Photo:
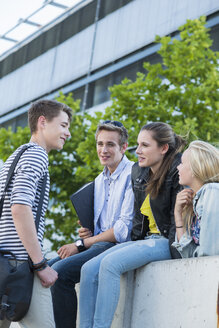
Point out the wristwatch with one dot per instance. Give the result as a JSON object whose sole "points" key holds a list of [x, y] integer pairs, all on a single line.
{"points": [[80, 245]]}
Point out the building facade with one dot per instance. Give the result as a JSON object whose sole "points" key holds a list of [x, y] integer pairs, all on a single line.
{"points": [[98, 44]]}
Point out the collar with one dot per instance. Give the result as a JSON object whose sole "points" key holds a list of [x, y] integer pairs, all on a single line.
{"points": [[206, 185], [118, 170]]}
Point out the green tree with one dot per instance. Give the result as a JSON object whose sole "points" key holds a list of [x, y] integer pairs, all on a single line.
{"points": [[182, 91]]}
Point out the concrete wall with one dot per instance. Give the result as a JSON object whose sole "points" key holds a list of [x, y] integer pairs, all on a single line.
{"points": [[170, 294]]}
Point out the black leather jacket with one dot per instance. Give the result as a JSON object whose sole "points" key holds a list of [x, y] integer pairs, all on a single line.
{"points": [[162, 207]]}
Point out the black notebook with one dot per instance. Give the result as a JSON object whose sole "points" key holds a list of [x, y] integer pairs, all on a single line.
{"points": [[83, 202]]}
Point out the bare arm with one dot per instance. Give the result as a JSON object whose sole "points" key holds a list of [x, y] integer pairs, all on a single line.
{"points": [[71, 249], [25, 226], [107, 235], [183, 198]]}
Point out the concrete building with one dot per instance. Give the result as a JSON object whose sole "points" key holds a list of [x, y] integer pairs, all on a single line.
{"points": [[94, 45]]}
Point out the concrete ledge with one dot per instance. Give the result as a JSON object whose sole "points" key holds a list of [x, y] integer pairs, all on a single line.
{"points": [[170, 294]]}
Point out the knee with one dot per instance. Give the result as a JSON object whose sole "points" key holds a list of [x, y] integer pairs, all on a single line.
{"points": [[108, 264], [68, 272], [89, 272], [59, 268]]}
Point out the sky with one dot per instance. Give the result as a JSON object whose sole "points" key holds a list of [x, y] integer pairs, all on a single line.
{"points": [[11, 11]]}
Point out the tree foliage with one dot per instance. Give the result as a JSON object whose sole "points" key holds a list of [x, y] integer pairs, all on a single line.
{"points": [[182, 91]]}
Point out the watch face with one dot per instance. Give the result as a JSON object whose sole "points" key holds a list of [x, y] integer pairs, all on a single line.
{"points": [[78, 243]]}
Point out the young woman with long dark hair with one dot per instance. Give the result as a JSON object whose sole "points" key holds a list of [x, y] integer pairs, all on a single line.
{"points": [[155, 185]]}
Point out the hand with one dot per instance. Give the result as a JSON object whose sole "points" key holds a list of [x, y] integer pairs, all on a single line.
{"points": [[84, 233], [47, 276], [183, 198], [67, 250]]}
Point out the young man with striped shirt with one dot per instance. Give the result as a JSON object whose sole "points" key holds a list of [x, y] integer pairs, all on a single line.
{"points": [[49, 124]]}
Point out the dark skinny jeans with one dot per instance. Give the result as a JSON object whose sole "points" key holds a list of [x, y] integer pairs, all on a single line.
{"points": [[63, 291]]}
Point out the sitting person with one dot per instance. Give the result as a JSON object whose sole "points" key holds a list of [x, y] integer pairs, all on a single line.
{"points": [[113, 214], [197, 207], [155, 184]]}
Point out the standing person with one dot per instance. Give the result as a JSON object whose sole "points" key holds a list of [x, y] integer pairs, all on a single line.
{"points": [[49, 125], [155, 185], [113, 214], [197, 207]]}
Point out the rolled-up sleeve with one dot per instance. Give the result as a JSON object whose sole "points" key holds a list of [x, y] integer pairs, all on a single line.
{"points": [[122, 227], [207, 208], [185, 246]]}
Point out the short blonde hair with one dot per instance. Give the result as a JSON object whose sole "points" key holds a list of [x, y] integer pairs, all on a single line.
{"points": [[204, 161]]}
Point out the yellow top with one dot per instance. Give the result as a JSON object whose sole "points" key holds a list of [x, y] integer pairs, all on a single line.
{"points": [[146, 210]]}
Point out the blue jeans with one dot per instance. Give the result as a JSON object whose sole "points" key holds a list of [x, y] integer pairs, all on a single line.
{"points": [[100, 277], [63, 291]]}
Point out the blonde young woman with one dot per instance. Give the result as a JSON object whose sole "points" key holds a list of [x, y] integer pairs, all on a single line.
{"points": [[197, 207]]}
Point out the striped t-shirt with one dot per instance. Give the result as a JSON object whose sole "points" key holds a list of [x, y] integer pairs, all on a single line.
{"points": [[25, 188]]}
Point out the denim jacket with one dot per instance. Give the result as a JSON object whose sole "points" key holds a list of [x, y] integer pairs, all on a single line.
{"points": [[206, 208]]}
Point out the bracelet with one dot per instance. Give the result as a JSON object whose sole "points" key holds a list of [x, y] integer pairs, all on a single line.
{"points": [[41, 265], [41, 262], [41, 268], [179, 227]]}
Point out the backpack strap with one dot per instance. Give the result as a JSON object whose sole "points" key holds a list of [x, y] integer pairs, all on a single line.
{"points": [[8, 180]]}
